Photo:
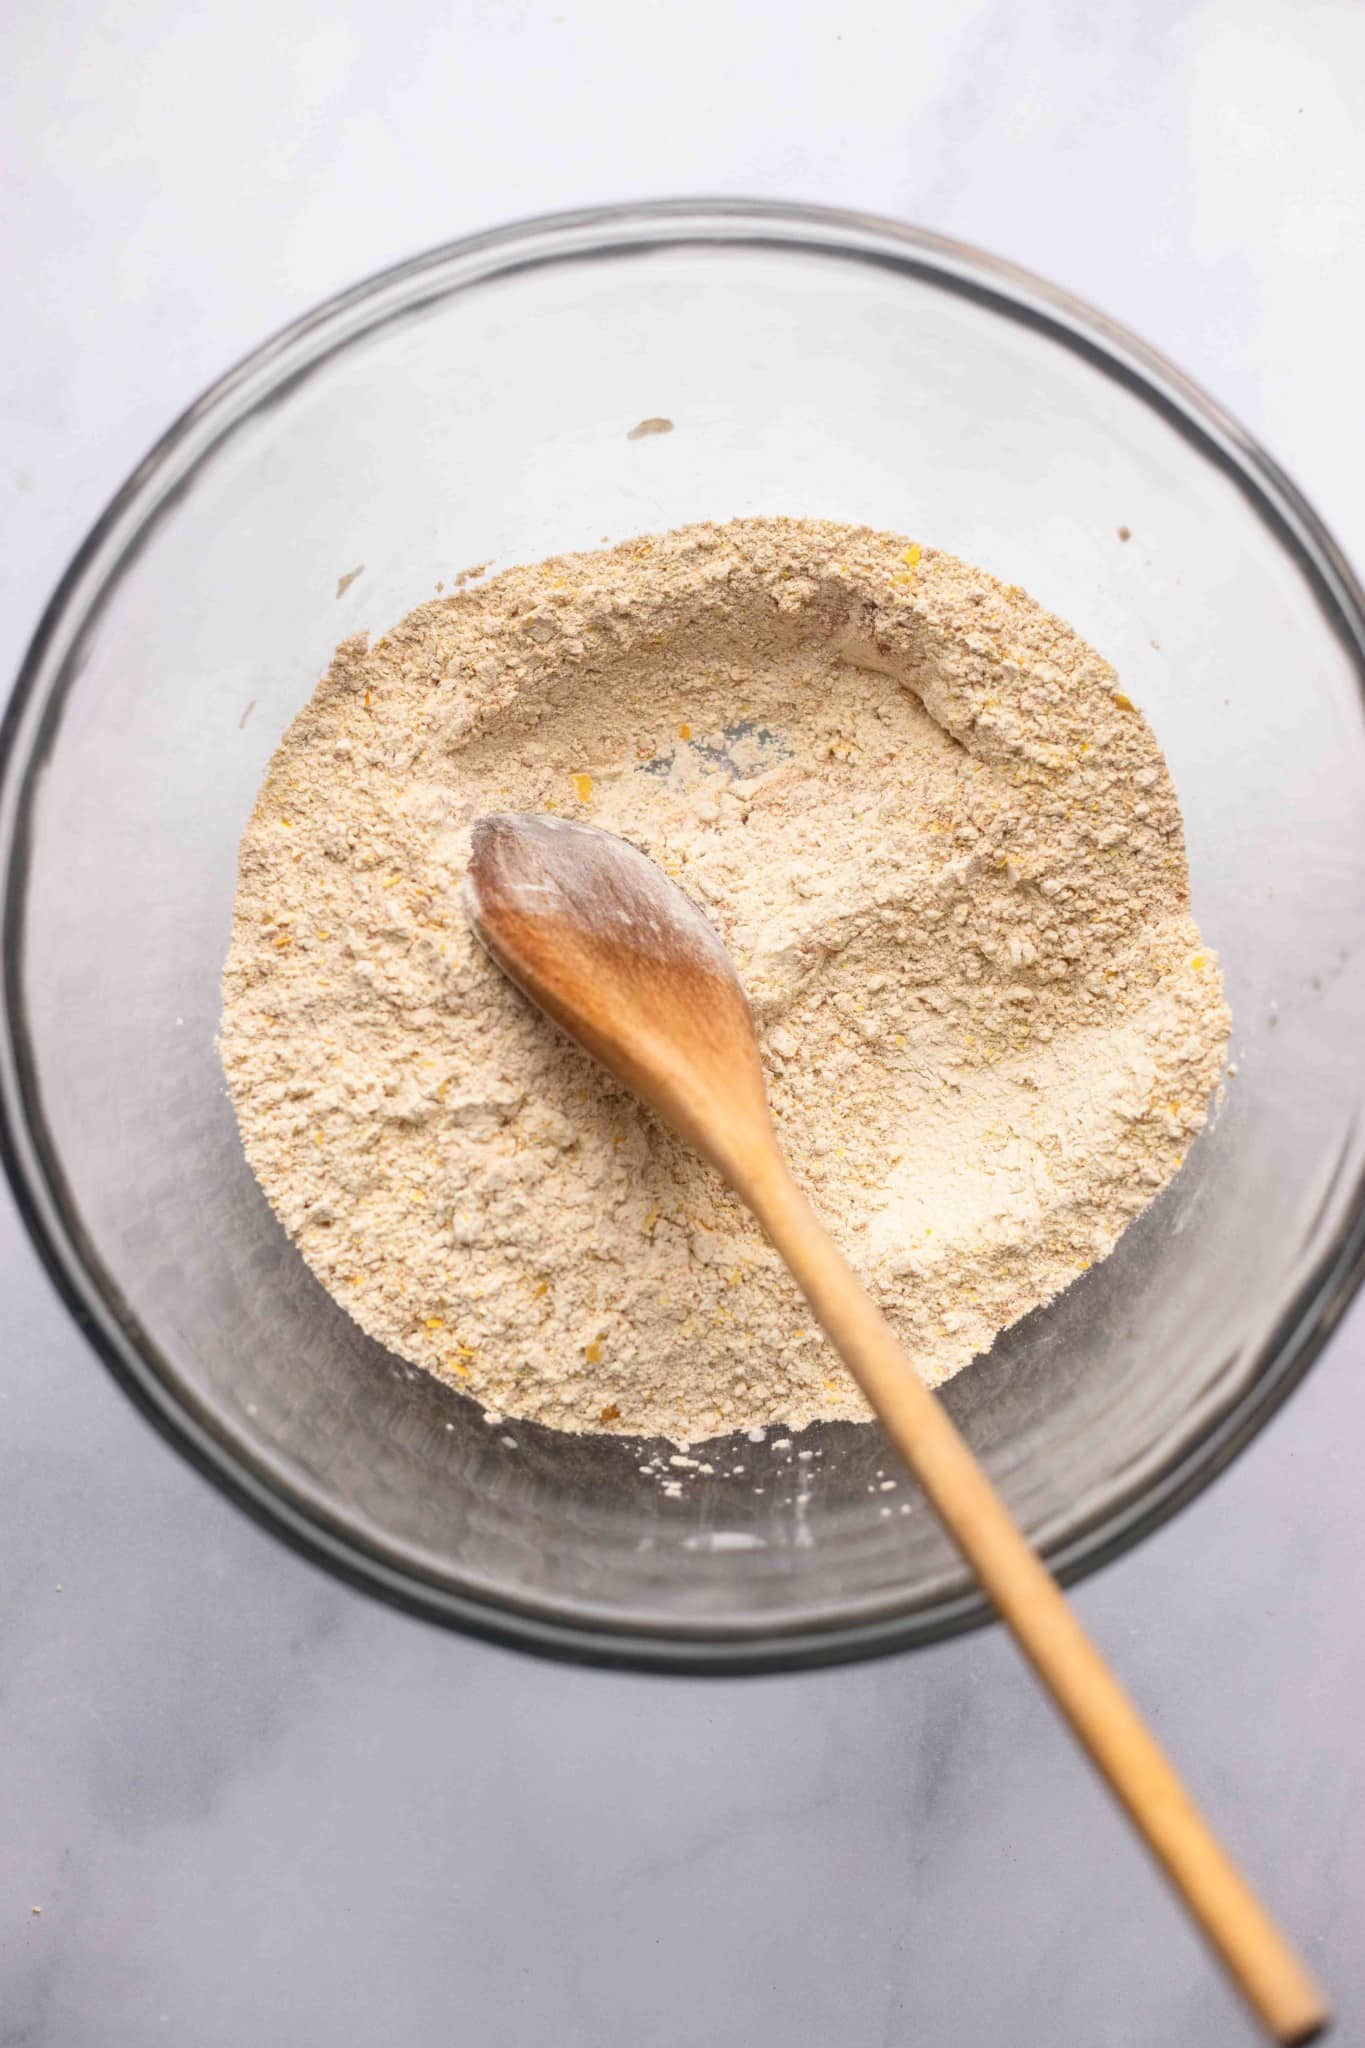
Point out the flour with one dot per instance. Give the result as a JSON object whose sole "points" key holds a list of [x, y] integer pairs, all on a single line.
{"points": [[947, 858]]}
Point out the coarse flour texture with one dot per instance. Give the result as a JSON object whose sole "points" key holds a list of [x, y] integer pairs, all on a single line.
{"points": [[947, 858]]}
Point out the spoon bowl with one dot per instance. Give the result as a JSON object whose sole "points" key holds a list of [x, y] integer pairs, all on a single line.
{"points": [[599, 938]]}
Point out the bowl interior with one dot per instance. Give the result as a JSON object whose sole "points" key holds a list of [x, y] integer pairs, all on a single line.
{"points": [[477, 409]]}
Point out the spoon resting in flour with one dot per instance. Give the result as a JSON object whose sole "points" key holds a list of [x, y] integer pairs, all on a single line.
{"points": [[600, 939]]}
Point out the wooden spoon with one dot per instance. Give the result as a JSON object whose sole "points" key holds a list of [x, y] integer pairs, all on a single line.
{"points": [[599, 938]]}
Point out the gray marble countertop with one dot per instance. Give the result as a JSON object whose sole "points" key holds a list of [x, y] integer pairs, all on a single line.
{"points": [[253, 1806]]}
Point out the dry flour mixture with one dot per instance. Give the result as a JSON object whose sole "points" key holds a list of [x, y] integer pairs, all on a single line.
{"points": [[946, 855]]}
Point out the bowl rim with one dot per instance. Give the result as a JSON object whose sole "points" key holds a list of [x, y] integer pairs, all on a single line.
{"points": [[29, 725]]}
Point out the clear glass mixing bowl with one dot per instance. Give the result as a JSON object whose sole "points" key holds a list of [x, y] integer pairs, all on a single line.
{"points": [[476, 404]]}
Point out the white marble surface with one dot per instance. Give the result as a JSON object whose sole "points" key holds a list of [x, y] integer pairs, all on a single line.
{"points": [[251, 1805]]}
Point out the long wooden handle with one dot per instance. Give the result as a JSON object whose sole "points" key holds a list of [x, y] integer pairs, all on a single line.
{"points": [[1261, 1963]]}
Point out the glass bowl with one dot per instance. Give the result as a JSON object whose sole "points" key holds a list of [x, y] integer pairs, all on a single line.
{"points": [[476, 404]]}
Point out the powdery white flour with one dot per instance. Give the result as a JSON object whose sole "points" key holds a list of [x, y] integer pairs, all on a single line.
{"points": [[946, 855]]}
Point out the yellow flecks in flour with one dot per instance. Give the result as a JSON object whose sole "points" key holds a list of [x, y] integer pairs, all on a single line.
{"points": [[946, 856]]}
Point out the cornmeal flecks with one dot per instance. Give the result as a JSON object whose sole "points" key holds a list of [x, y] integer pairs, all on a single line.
{"points": [[947, 858]]}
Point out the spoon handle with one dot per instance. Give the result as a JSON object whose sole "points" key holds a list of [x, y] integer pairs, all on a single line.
{"points": [[1029, 1601]]}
